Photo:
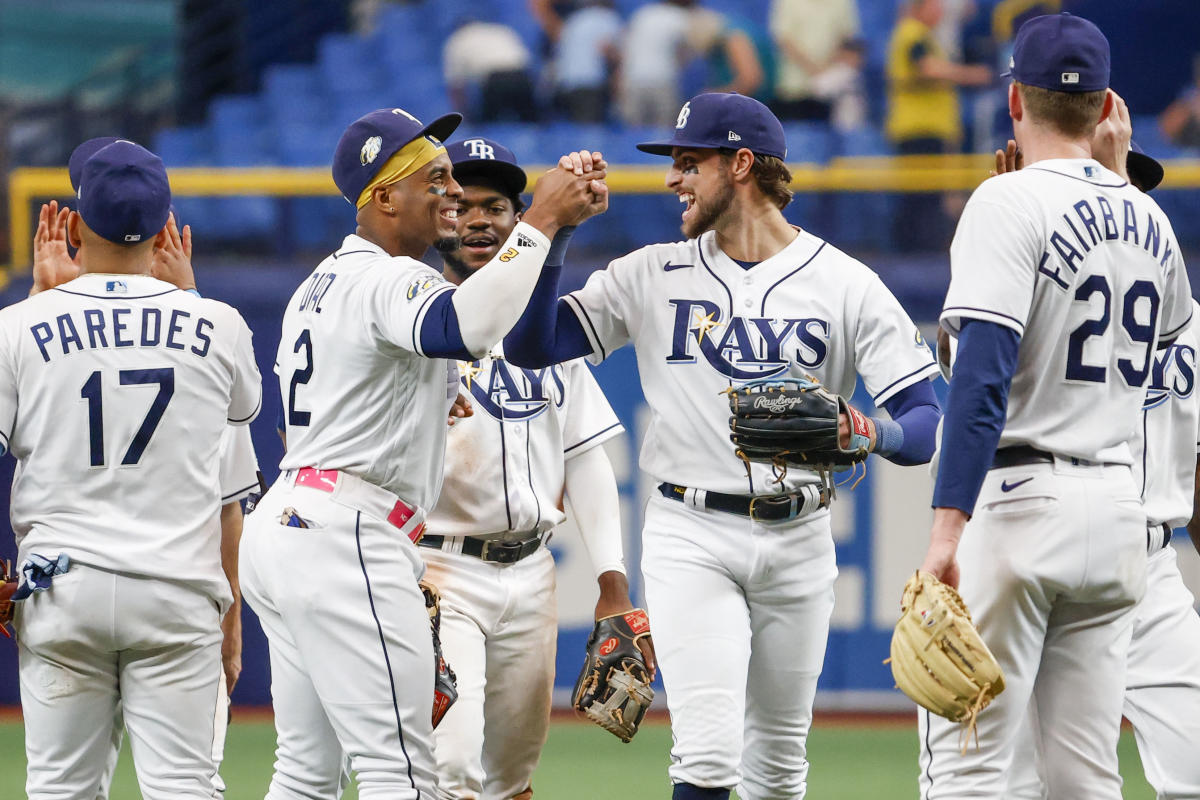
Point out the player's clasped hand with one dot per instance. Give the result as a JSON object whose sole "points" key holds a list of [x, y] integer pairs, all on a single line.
{"points": [[173, 260], [52, 262]]}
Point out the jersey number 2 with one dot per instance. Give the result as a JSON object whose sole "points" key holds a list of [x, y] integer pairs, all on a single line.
{"points": [[1138, 333], [91, 391], [300, 377]]}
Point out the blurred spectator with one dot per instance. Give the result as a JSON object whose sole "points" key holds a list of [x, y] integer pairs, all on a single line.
{"points": [[584, 54], [492, 58], [923, 113], [950, 30], [1181, 121], [818, 59], [552, 14], [652, 58], [737, 53]]}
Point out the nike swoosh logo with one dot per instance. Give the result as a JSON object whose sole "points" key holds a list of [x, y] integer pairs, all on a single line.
{"points": [[1005, 486], [667, 267]]}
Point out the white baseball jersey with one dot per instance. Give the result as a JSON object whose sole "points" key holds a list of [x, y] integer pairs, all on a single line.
{"points": [[1162, 469], [115, 391], [358, 393], [504, 466], [1097, 263], [239, 465], [701, 323]]}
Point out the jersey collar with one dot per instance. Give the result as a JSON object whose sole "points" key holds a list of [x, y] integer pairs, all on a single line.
{"points": [[799, 251], [1088, 170], [116, 287]]}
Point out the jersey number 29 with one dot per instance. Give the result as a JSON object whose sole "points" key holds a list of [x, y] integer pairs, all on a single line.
{"points": [[1138, 333], [92, 392]]}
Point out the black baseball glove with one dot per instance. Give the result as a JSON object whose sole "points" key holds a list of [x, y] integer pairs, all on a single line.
{"points": [[794, 421], [613, 689], [445, 683]]}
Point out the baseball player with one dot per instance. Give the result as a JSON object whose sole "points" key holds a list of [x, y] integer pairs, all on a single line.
{"points": [[364, 372], [738, 563], [532, 443], [1162, 688], [1064, 281], [115, 390]]}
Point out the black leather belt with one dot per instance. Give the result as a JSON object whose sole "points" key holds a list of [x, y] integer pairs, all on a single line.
{"points": [[1020, 456], [764, 508], [494, 550]]}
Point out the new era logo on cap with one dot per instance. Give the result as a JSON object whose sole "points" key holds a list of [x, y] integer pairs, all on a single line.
{"points": [[733, 137]]}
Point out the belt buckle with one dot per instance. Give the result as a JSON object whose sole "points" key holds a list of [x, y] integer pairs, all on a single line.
{"points": [[501, 552], [790, 501]]}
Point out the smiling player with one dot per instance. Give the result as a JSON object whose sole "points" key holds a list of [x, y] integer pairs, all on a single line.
{"points": [[738, 564]]}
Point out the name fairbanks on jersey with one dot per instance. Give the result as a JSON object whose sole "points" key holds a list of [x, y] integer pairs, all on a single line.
{"points": [[1096, 260], [701, 323]]}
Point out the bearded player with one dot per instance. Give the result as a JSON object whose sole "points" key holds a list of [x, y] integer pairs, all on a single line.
{"points": [[738, 563], [533, 442]]}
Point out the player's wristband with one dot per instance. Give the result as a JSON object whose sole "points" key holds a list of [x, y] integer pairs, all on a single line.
{"points": [[889, 436]]}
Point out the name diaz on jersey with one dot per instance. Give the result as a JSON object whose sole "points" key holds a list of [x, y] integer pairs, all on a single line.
{"points": [[513, 397], [1096, 229], [96, 328], [745, 348]]}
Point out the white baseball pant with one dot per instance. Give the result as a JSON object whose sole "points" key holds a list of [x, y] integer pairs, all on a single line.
{"points": [[740, 614], [351, 655], [1162, 690], [499, 632], [1051, 570], [98, 639]]}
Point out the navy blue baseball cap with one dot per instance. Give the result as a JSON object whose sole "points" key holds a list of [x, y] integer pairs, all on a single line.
{"points": [[373, 138], [1062, 53], [83, 152], [480, 157], [724, 119], [1143, 170], [124, 195]]}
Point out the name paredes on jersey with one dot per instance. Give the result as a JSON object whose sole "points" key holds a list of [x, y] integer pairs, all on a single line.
{"points": [[745, 348], [1095, 223], [102, 328], [1174, 373]]}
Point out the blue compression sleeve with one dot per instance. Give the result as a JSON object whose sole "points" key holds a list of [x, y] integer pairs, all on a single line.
{"points": [[440, 334], [910, 436], [548, 332], [975, 411]]}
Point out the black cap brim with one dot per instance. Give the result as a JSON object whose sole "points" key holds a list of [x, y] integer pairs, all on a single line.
{"points": [[442, 127], [1143, 170], [510, 177]]}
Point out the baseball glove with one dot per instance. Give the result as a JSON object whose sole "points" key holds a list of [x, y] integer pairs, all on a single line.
{"points": [[8, 587], [938, 658], [445, 683], [794, 421], [613, 689]]}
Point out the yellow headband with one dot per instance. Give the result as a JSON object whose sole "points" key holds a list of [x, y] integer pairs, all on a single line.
{"points": [[404, 162]]}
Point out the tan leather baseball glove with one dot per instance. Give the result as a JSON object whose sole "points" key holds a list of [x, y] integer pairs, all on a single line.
{"points": [[938, 658]]}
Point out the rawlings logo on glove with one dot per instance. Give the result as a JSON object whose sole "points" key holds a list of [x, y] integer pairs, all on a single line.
{"points": [[794, 422], [938, 658], [613, 689]]}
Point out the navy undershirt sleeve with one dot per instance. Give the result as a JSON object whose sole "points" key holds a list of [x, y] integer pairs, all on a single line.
{"points": [[548, 332], [440, 335], [915, 409], [975, 411]]}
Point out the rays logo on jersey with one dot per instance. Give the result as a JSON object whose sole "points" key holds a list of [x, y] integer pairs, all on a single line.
{"points": [[1174, 374], [513, 394], [745, 348]]}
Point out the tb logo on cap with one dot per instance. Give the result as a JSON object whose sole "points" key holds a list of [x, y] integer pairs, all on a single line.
{"points": [[480, 149], [684, 113]]}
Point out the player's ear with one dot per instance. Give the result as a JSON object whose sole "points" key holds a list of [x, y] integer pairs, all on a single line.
{"points": [[73, 222], [382, 197], [162, 239], [742, 162], [1110, 99], [1015, 109]]}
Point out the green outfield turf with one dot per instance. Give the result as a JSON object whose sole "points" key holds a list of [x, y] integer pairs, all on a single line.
{"points": [[581, 762]]}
